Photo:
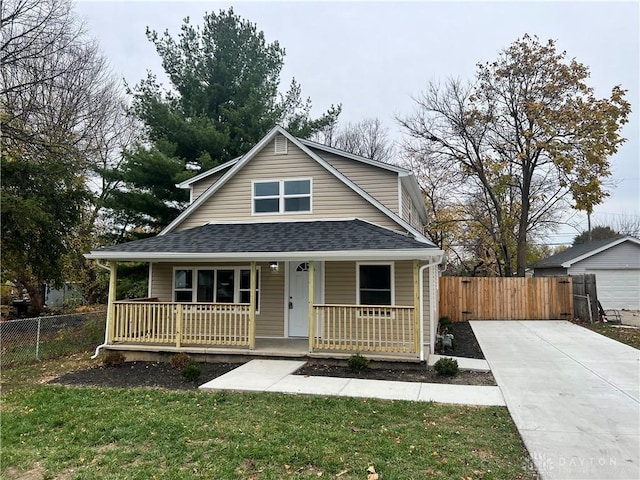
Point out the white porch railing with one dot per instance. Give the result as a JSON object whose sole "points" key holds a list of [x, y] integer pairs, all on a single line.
{"points": [[362, 328], [216, 324]]}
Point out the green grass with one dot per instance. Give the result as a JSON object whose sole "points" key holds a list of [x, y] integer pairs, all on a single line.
{"points": [[629, 336], [96, 433]]}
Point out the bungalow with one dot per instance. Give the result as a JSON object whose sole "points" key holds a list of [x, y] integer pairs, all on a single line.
{"points": [[294, 248]]}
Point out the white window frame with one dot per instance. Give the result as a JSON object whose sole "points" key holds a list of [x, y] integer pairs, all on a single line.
{"points": [[236, 281], [391, 272], [174, 289], [281, 196]]}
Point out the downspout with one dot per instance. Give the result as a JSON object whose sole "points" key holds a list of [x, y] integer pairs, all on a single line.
{"points": [[421, 287], [106, 327]]}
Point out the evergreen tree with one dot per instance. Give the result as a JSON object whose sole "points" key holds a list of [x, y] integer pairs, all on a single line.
{"points": [[223, 99]]}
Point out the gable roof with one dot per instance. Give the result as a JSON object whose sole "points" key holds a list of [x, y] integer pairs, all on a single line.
{"points": [[187, 183], [585, 250], [407, 177], [313, 239], [353, 156], [294, 140]]}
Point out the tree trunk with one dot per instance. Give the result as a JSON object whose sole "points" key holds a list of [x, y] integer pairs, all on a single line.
{"points": [[34, 289], [521, 243]]}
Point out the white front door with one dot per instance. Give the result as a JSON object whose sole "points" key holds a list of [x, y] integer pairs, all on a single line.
{"points": [[298, 299]]}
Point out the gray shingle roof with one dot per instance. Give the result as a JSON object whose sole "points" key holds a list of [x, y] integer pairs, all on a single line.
{"points": [[574, 252], [303, 236]]}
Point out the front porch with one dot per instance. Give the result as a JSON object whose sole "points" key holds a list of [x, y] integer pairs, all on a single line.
{"points": [[226, 328], [342, 287]]}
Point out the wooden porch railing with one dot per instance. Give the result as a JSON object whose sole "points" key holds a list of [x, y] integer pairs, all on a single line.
{"points": [[216, 324], [361, 328]]}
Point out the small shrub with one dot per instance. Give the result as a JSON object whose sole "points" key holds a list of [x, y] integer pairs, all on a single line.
{"points": [[446, 366], [358, 362], [114, 359], [180, 360], [191, 372]]}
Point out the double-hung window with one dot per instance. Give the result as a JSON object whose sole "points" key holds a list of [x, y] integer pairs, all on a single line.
{"points": [[215, 285], [282, 196], [375, 284]]}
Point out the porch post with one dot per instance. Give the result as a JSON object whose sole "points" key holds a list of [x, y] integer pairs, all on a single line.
{"points": [[111, 308], [416, 306], [312, 329], [179, 321], [252, 307]]}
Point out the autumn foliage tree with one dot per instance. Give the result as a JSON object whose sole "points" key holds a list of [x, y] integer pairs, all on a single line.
{"points": [[527, 138]]}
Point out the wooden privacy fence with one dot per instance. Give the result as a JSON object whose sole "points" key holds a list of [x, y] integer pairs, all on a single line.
{"points": [[529, 298]]}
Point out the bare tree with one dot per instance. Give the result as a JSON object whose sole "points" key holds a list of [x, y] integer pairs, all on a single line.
{"points": [[60, 107], [623, 224], [367, 138]]}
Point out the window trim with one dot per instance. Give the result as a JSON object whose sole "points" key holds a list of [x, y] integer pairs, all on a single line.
{"points": [[282, 196], [236, 283], [391, 273]]}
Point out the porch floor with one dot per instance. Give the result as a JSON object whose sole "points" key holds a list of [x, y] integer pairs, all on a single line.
{"points": [[265, 347]]}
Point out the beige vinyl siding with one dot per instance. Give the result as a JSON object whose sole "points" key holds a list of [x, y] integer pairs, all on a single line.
{"points": [[404, 283], [406, 206], [404, 291], [340, 283], [340, 287], [330, 197], [410, 212], [270, 320], [198, 188], [381, 184]]}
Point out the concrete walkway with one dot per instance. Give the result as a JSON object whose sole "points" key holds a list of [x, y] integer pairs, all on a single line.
{"points": [[276, 376], [573, 394]]}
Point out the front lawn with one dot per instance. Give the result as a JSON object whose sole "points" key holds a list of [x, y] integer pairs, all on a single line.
{"points": [[93, 433]]}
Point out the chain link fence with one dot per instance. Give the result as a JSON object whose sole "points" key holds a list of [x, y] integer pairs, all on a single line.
{"points": [[29, 340]]}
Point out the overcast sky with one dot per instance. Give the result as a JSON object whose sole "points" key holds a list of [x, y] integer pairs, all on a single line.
{"points": [[372, 57]]}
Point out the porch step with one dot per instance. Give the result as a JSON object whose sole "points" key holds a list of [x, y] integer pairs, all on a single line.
{"points": [[471, 364], [256, 375]]}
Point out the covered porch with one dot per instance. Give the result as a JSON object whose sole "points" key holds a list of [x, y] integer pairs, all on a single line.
{"points": [[313, 300]]}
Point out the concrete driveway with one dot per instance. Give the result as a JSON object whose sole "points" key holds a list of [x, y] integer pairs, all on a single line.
{"points": [[573, 394]]}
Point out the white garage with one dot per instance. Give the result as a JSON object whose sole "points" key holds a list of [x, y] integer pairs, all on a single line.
{"points": [[618, 288], [614, 261]]}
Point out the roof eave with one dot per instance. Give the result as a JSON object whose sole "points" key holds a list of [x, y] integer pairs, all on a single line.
{"points": [[586, 255], [341, 255], [352, 156], [201, 176]]}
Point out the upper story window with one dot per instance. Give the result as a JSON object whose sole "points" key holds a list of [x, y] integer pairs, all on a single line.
{"points": [[282, 196]]}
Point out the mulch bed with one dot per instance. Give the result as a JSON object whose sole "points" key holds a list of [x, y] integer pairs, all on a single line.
{"points": [[466, 344], [163, 375], [142, 374], [400, 373]]}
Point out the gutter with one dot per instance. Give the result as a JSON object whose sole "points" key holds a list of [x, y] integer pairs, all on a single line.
{"points": [[106, 327], [438, 261]]}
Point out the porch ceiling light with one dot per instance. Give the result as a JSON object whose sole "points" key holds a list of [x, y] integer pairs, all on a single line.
{"points": [[273, 266]]}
